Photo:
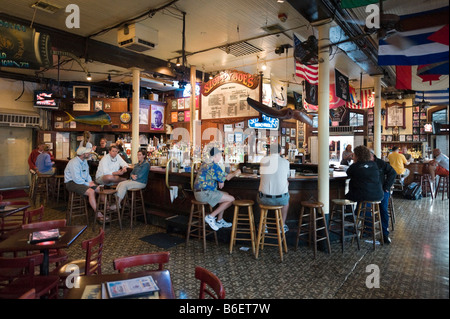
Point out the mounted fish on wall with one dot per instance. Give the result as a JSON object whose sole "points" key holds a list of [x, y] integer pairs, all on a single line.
{"points": [[100, 118]]}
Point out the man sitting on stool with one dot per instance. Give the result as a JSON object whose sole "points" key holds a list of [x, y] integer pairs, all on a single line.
{"points": [[111, 168], [398, 162], [438, 166]]}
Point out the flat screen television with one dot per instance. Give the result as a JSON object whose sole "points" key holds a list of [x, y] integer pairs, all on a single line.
{"points": [[45, 99]]}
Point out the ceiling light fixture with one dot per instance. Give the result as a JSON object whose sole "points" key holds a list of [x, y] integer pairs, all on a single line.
{"points": [[264, 66], [88, 77], [178, 62]]}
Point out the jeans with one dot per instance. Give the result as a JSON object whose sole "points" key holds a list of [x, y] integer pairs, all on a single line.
{"points": [[384, 213]]}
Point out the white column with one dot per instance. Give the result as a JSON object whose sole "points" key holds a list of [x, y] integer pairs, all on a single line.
{"points": [[377, 122], [135, 115], [324, 110]]}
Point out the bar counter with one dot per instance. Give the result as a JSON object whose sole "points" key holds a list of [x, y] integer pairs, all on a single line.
{"points": [[245, 186]]}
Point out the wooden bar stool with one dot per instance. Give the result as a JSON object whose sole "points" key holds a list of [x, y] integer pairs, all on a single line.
{"points": [[77, 207], [398, 183], [59, 187], [134, 204], [271, 223], [425, 182], [442, 186], [42, 187], [391, 210], [109, 199], [33, 179], [315, 215], [243, 223], [196, 224], [342, 221], [368, 219]]}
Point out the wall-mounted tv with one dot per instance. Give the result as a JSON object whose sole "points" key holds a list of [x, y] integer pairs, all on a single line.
{"points": [[45, 99]]}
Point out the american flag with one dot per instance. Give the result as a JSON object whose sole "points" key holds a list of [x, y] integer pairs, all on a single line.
{"points": [[308, 72]]}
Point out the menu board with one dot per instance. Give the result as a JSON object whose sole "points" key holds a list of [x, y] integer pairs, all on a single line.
{"points": [[229, 100]]}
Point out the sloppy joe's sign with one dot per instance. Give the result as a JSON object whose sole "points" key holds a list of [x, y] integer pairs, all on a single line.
{"points": [[233, 76]]}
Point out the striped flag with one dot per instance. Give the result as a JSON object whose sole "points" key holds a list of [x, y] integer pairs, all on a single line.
{"points": [[367, 99], [308, 72], [434, 97]]}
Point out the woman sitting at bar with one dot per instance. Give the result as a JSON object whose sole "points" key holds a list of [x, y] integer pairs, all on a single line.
{"points": [[211, 175], [138, 177], [44, 163]]}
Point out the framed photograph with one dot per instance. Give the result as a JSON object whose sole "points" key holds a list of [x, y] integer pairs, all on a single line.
{"points": [[143, 116], [292, 132], [288, 131], [416, 138], [239, 125], [283, 130], [82, 98], [383, 138], [389, 138], [158, 117], [395, 115], [107, 106], [238, 137], [423, 138], [98, 105], [402, 138], [228, 127], [409, 138]]}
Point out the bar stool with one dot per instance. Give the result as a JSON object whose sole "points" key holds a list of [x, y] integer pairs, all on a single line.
{"points": [[196, 224], [42, 187], [243, 223], [315, 214], [369, 212], [59, 187], [339, 224], [133, 203], [425, 182], [77, 207], [442, 186], [109, 195], [33, 179], [275, 223], [391, 210], [398, 183]]}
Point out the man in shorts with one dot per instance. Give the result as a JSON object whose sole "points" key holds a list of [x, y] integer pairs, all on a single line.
{"points": [[77, 178], [111, 168], [438, 166], [209, 177], [274, 185]]}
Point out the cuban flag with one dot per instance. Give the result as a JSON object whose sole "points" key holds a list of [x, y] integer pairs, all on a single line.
{"points": [[421, 46], [439, 97]]}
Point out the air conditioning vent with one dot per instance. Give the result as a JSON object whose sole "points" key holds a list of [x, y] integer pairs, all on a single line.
{"points": [[137, 37], [16, 120], [240, 49], [45, 6]]}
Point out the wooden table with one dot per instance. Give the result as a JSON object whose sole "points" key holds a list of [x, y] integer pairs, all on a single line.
{"points": [[12, 208], [20, 242], [162, 279]]}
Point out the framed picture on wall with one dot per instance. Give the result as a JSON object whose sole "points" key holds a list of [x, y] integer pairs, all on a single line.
{"points": [[98, 106], [409, 138], [157, 117], [402, 138], [82, 97]]}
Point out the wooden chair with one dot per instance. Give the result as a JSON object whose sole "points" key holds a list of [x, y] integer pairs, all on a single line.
{"points": [[160, 258], [43, 285], [34, 215], [56, 256], [209, 280], [12, 223], [30, 294], [92, 264]]}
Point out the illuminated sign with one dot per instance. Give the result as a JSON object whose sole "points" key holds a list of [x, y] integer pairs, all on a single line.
{"points": [[232, 76], [270, 123]]}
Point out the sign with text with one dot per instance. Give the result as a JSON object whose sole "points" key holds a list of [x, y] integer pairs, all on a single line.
{"points": [[269, 123]]}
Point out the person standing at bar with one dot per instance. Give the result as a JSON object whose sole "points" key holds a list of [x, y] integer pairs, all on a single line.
{"points": [[77, 178], [209, 177], [138, 176], [102, 149], [274, 185], [347, 155], [387, 178]]}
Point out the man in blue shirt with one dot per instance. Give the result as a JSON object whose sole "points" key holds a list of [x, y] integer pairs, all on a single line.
{"points": [[138, 176], [77, 177], [211, 175]]}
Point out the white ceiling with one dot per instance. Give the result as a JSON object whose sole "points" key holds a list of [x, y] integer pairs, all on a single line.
{"points": [[208, 24]]}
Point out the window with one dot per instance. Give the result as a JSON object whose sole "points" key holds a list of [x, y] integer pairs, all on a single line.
{"points": [[439, 116], [356, 119]]}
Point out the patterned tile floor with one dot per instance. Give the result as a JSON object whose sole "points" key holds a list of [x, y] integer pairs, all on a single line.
{"points": [[414, 266]]}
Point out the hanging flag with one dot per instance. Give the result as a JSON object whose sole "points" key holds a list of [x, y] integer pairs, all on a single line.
{"points": [[407, 79], [341, 85], [426, 46], [434, 97], [347, 4], [365, 101], [311, 103], [279, 92], [311, 94], [308, 72], [267, 94], [352, 103]]}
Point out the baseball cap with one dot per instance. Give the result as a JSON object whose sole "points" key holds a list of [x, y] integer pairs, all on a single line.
{"points": [[214, 151], [83, 150]]}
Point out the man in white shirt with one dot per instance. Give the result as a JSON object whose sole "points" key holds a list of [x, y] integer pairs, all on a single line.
{"points": [[111, 168], [438, 166], [274, 185]]}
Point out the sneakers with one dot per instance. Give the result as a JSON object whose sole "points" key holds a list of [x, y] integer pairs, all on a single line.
{"points": [[285, 228], [211, 222], [223, 223]]}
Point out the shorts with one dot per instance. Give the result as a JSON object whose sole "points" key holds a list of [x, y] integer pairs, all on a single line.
{"points": [[210, 197], [80, 189], [441, 171], [274, 201]]}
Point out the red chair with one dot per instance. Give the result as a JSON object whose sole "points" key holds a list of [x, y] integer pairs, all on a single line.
{"points": [[122, 263], [34, 215], [56, 256], [30, 294], [209, 280], [12, 223], [43, 285]]}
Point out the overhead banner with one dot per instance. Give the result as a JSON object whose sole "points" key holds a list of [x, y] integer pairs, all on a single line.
{"points": [[341, 85]]}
